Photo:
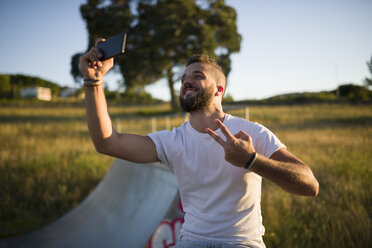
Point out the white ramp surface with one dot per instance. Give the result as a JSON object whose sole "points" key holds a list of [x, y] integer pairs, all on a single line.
{"points": [[123, 211]]}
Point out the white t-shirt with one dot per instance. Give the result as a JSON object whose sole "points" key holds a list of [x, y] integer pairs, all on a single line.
{"points": [[221, 201]]}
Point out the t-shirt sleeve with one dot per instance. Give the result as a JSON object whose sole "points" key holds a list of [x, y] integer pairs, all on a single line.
{"points": [[160, 140], [265, 141]]}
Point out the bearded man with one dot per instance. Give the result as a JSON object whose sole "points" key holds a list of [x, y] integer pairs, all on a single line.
{"points": [[218, 159]]}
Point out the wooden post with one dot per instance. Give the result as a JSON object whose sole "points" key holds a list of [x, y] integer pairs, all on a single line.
{"points": [[186, 117], [246, 113], [118, 125], [153, 124], [167, 123]]}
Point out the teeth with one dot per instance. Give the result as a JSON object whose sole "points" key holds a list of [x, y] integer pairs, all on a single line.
{"points": [[188, 90]]}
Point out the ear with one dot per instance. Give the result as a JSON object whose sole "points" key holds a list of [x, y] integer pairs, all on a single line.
{"points": [[219, 90]]}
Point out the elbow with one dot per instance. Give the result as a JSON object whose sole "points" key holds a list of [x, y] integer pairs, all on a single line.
{"points": [[312, 189], [306, 188], [312, 185], [103, 144], [101, 147], [315, 188]]}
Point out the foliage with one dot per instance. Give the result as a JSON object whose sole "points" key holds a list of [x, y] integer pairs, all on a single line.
{"points": [[138, 97], [10, 85], [6, 88], [347, 92], [355, 92], [302, 97], [161, 35], [368, 82], [228, 98]]}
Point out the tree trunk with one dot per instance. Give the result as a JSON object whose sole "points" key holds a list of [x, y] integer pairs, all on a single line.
{"points": [[174, 100]]}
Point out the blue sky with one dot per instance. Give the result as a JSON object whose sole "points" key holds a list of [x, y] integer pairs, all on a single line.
{"points": [[288, 46]]}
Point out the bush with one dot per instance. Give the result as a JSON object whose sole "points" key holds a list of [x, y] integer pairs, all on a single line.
{"points": [[355, 92]]}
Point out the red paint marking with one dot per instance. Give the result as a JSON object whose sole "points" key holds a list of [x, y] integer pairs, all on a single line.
{"points": [[166, 234]]}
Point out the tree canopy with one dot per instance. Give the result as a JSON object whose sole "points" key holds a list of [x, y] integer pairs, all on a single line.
{"points": [[162, 34]]}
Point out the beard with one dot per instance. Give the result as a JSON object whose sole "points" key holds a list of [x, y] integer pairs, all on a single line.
{"points": [[198, 102]]}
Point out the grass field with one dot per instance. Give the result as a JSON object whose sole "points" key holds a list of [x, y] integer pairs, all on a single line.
{"points": [[48, 165]]}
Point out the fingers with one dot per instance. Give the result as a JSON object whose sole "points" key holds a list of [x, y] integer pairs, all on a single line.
{"points": [[97, 51], [216, 137], [96, 56], [91, 65], [242, 135], [224, 130], [93, 57]]}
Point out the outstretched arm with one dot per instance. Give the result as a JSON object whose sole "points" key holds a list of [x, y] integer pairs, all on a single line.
{"points": [[283, 168], [106, 139]]}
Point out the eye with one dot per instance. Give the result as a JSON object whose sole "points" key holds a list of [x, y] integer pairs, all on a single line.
{"points": [[198, 77]]}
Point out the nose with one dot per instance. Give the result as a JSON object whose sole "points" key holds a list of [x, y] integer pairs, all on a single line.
{"points": [[185, 80]]}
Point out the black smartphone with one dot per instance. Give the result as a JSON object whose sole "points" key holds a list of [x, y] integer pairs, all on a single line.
{"points": [[113, 46]]}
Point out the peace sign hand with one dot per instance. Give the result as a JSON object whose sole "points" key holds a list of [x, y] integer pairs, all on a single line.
{"points": [[238, 148]]}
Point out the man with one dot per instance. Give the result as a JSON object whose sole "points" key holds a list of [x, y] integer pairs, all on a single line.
{"points": [[218, 159]]}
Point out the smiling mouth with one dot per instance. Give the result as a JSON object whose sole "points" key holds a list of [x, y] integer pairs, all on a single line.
{"points": [[188, 90]]}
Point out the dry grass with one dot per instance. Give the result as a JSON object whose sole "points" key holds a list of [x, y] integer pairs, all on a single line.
{"points": [[48, 165]]}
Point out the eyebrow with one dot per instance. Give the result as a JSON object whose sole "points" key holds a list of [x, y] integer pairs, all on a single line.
{"points": [[193, 73]]}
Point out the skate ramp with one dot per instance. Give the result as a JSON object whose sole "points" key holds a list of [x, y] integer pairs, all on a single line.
{"points": [[123, 211]]}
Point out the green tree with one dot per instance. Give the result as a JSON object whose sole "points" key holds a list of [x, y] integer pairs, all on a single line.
{"points": [[368, 81], [355, 92], [161, 35], [5, 83], [10, 85], [178, 29], [5, 86], [102, 20]]}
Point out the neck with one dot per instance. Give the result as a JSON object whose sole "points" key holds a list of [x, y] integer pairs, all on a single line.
{"points": [[205, 118]]}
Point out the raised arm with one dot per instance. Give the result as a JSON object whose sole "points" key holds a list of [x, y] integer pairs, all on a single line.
{"points": [[283, 168], [106, 139]]}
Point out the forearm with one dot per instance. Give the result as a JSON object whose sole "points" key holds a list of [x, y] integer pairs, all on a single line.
{"points": [[293, 177], [98, 119], [283, 168]]}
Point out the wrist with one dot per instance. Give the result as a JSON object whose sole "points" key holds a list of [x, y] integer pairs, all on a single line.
{"points": [[89, 82], [251, 161]]}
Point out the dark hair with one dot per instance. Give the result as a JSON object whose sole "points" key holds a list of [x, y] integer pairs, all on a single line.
{"points": [[202, 58]]}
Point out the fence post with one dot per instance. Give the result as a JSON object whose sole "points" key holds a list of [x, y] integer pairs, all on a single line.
{"points": [[246, 113], [167, 122], [118, 125], [186, 117], [153, 124]]}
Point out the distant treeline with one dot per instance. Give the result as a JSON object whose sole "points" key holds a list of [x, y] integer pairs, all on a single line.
{"points": [[344, 93], [11, 85]]}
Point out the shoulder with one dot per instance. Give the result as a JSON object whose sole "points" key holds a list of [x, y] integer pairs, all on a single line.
{"points": [[168, 143], [237, 124], [167, 136]]}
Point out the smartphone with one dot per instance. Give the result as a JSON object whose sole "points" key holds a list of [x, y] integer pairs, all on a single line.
{"points": [[113, 46]]}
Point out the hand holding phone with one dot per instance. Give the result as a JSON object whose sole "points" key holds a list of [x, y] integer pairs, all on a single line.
{"points": [[113, 46]]}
